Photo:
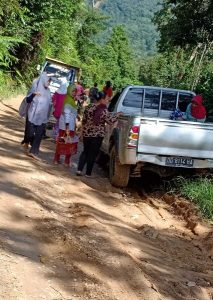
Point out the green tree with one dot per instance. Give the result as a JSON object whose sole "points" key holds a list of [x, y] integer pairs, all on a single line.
{"points": [[188, 24], [168, 70], [11, 30], [185, 22], [65, 30], [101, 66], [11, 34], [41, 19], [122, 57], [136, 17], [90, 23]]}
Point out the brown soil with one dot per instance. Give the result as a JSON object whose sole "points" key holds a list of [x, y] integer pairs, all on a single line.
{"points": [[65, 237]]}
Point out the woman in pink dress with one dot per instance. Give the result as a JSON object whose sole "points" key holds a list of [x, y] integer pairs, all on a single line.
{"points": [[58, 103]]}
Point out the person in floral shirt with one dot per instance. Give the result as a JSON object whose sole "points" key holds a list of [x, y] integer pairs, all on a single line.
{"points": [[95, 117]]}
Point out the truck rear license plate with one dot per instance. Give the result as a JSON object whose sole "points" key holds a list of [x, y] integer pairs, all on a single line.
{"points": [[179, 162]]}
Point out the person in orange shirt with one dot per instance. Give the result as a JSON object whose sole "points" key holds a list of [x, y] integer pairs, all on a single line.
{"points": [[107, 89]]}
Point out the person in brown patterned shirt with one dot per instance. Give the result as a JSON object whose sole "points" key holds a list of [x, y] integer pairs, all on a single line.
{"points": [[94, 120]]}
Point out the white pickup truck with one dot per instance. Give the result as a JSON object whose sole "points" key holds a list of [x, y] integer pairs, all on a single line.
{"points": [[144, 138]]}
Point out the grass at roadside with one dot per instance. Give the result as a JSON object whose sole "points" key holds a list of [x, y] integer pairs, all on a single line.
{"points": [[10, 88], [11, 91], [200, 191]]}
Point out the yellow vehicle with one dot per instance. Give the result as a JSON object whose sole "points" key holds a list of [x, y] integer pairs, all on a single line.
{"points": [[57, 70]]}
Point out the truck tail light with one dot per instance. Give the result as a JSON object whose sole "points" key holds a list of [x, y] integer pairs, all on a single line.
{"points": [[133, 137], [135, 129]]}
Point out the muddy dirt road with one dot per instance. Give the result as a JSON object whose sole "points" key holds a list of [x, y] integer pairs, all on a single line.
{"points": [[64, 237]]}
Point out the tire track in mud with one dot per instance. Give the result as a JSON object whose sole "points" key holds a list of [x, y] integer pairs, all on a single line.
{"points": [[93, 241]]}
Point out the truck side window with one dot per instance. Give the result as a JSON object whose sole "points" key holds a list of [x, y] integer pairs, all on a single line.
{"points": [[152, 99], [113, 102], [168, 101], [134, 98], [184, 100]]}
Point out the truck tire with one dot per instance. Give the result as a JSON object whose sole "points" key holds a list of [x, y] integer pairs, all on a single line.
{"points": [[118, 173]]}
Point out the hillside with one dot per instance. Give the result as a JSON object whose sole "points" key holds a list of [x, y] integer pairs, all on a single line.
{"points": [[136, 16]]}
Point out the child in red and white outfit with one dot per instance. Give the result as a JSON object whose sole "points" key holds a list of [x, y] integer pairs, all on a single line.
{"points": [[67, 124]]}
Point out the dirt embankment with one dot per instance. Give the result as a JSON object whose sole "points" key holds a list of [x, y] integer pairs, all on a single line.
{"points": [[64, 237]]}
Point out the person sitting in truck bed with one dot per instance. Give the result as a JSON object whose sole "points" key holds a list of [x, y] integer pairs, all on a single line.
{"points": [[196, 111]]}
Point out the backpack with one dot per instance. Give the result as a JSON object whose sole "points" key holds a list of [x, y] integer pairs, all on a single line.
{"points": [[23, 108]]}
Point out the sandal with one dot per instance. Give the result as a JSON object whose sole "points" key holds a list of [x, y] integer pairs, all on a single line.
{"points": [[33, 156]]}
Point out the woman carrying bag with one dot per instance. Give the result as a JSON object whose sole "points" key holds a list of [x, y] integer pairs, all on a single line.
{"points": [[38, 114], [26, 140]]}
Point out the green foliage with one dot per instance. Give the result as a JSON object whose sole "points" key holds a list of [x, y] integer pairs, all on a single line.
{"points": [[121, 57], [7, 44], [171, 69], [68, 30], [61, 46], [10, 87], [136, 17], [175, 68], [185, 28], [11, 33], [65, 30], [184, 69], [185, 22], [46, 22], [200, 191], [113, 61], [42, 13], [91, 23]]}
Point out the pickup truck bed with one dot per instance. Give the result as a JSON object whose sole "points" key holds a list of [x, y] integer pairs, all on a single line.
{"points": [[176, 138]]}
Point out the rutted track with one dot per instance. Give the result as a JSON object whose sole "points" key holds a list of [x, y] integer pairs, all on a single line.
{"points": [[63, 237]]}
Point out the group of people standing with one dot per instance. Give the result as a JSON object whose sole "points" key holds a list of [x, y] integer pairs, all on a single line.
{"points": [[68, 102], [65, 105]]}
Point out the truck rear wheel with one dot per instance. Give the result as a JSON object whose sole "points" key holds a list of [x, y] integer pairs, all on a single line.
{"points": [[118, 173]]}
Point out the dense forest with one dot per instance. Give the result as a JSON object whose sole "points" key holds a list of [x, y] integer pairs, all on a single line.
{"points": [[69, 30], [136, 17]]}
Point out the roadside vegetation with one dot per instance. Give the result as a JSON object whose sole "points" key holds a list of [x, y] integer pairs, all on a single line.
{"points": [[68, 30], [137, 22], [10, 87], [200, 191]]}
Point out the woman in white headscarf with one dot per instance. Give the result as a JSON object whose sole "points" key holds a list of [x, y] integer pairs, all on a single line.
{"points": [[26, 141], [38, 114]]}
